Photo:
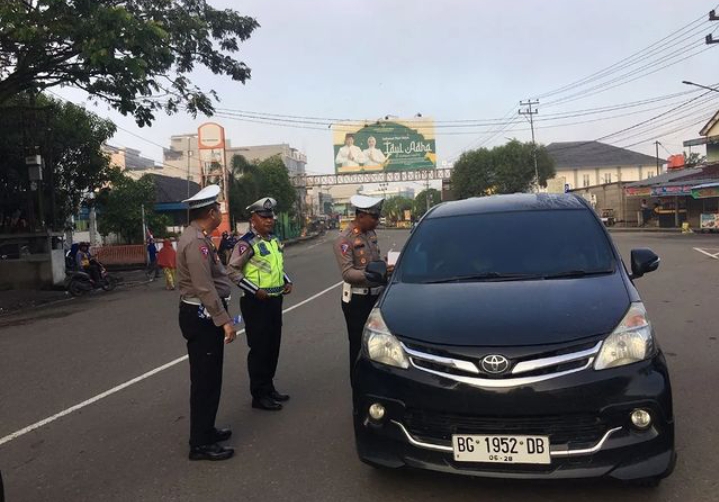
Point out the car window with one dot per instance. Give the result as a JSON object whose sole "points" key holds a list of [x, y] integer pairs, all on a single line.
{"points": [[535, 243]]}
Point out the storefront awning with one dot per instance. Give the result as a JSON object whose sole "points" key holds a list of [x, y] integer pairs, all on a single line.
{"points": [[705, 191]]}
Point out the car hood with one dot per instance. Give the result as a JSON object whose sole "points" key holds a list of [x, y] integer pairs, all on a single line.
{"points": [[512, 313]]}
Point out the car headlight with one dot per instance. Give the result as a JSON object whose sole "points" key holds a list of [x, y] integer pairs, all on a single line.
{"points": [[380, 345], [632, 341]]}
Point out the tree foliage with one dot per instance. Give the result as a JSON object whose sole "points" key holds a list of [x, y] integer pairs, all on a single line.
{"points": [[420, 201], [694, 159], [252, 180], [68, 138], [504, 169], [136, 55], [394, 208], [121, 208]]}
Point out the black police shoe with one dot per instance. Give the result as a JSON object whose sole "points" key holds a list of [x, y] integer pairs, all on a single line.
{"points": [[266, 403], [280, 398], [211, 452], [222, 435]]}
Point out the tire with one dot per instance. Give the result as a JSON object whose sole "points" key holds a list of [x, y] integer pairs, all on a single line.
{"points": [[75, 288], [109, 283]]}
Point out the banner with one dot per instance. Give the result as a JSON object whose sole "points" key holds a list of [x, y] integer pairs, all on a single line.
{"points": [[392, 145]]}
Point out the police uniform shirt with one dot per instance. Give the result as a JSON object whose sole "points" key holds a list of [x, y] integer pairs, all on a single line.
{"points": [[201, 275], [354, 249], [241, 256]]}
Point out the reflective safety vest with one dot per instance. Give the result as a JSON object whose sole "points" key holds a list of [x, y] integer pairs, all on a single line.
{"points": [[266, 267]]}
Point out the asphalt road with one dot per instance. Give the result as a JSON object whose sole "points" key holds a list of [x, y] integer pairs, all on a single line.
{"points": [[131, 445]]}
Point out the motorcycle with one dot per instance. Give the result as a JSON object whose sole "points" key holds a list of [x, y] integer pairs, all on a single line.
{"points": [[79, 282]]}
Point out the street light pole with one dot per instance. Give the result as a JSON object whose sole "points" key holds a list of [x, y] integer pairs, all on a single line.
{"points": [[700, 85]]}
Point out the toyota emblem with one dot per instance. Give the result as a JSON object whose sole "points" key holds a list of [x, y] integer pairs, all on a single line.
{"points": [[495, 364]]}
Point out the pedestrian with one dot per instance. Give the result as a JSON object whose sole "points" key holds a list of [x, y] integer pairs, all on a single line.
{"points": [[154, 271], [646, 212], [224, 246], [205, 323], [167, 259], [354, 249], [257, 267]]}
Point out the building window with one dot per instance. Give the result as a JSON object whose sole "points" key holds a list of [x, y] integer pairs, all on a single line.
{"points": [[585, 180], [608, 178], [650, 174]]}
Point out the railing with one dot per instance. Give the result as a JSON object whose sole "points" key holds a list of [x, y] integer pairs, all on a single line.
{"points": [[120, 255]]}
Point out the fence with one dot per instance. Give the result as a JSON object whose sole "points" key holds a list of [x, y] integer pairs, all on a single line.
{"points": [[120, 255]]}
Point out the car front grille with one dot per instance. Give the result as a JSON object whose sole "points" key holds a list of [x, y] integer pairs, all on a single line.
{"points": [[570, 429]]}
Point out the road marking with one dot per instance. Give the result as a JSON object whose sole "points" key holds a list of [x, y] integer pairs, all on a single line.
{"points": [[715, 256], [135, 380]]}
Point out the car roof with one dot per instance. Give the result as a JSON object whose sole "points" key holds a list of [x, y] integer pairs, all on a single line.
{"points": [[507, 203]]}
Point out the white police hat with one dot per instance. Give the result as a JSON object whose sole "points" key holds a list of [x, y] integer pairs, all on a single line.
{"points": [[367, 204], [205, 197], [263, 207]]}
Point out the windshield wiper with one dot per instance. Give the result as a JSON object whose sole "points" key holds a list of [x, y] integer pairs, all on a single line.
{"points": [[486, 276], [570, 274]]}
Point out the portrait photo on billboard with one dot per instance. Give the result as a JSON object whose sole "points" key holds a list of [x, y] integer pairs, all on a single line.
{"points": [[392, 145]]}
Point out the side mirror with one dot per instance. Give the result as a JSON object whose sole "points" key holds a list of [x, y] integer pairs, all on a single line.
{"points": [[376, 272], [643, 261]]}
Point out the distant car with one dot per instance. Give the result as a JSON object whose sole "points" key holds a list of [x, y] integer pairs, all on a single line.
{"points": [[512, 343]]}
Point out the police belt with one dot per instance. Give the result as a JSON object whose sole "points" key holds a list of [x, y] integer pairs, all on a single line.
{"points": [[367, 291], [191, 300]]}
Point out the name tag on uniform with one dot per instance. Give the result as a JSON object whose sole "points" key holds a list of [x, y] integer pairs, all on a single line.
{"points": [[263, 249]]}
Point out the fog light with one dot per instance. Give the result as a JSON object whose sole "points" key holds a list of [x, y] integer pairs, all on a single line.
{"points": [[376, 411], [641, 419]]}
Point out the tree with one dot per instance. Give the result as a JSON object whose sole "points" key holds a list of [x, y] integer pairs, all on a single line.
{"points": [[244, 186], [274, 181], [394, 208], [121, 208], [420, 205], [252, 180], [504, 169], [136, 55], [694, 159], [68, 138]]}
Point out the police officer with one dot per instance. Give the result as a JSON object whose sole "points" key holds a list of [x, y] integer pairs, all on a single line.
{"points": [[205, 322], [257, 267], [354, 249]]}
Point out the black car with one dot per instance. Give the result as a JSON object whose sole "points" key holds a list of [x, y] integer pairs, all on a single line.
{"points": [[511, 342]]}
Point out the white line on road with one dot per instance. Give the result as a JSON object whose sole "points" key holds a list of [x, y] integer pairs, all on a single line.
{"points": [[135, 380], [715, 256]]}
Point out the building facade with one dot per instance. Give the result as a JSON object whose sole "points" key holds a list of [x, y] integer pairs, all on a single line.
{"points": [[584, 164]]}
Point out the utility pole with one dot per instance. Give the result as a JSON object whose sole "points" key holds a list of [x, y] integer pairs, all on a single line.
{"points": [[709, 39], [656, 144], [189, 154], [531, 112]]}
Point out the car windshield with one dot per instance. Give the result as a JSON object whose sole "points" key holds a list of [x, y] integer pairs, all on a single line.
{"points": [[520, 245]]}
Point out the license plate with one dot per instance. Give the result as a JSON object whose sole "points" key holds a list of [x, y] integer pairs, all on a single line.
{"points": [[501, 449]]}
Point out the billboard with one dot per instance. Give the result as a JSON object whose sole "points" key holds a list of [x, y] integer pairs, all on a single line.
{"points": [[391, 145]]}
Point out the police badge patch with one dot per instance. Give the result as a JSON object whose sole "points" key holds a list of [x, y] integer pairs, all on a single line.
{"points": [[344, 248], [205, 251]]}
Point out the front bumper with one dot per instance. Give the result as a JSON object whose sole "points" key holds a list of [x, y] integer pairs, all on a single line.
{"points": [[586, 416]]}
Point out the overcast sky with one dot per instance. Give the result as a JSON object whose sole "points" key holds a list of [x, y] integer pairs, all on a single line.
{"points": [[451, 60]]}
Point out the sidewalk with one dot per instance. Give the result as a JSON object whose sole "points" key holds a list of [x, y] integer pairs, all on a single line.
{"points": [[653, 230], [12, 300]]}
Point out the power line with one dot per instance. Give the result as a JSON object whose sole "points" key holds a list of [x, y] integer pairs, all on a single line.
{"points": [[642, 53]]}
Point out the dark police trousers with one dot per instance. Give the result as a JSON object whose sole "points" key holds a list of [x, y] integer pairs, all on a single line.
{"points": [[356, 313], [263, 326], [205, 347]]}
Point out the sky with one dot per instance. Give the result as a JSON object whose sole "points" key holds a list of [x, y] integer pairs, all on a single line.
{"points": [[458, 60]]}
